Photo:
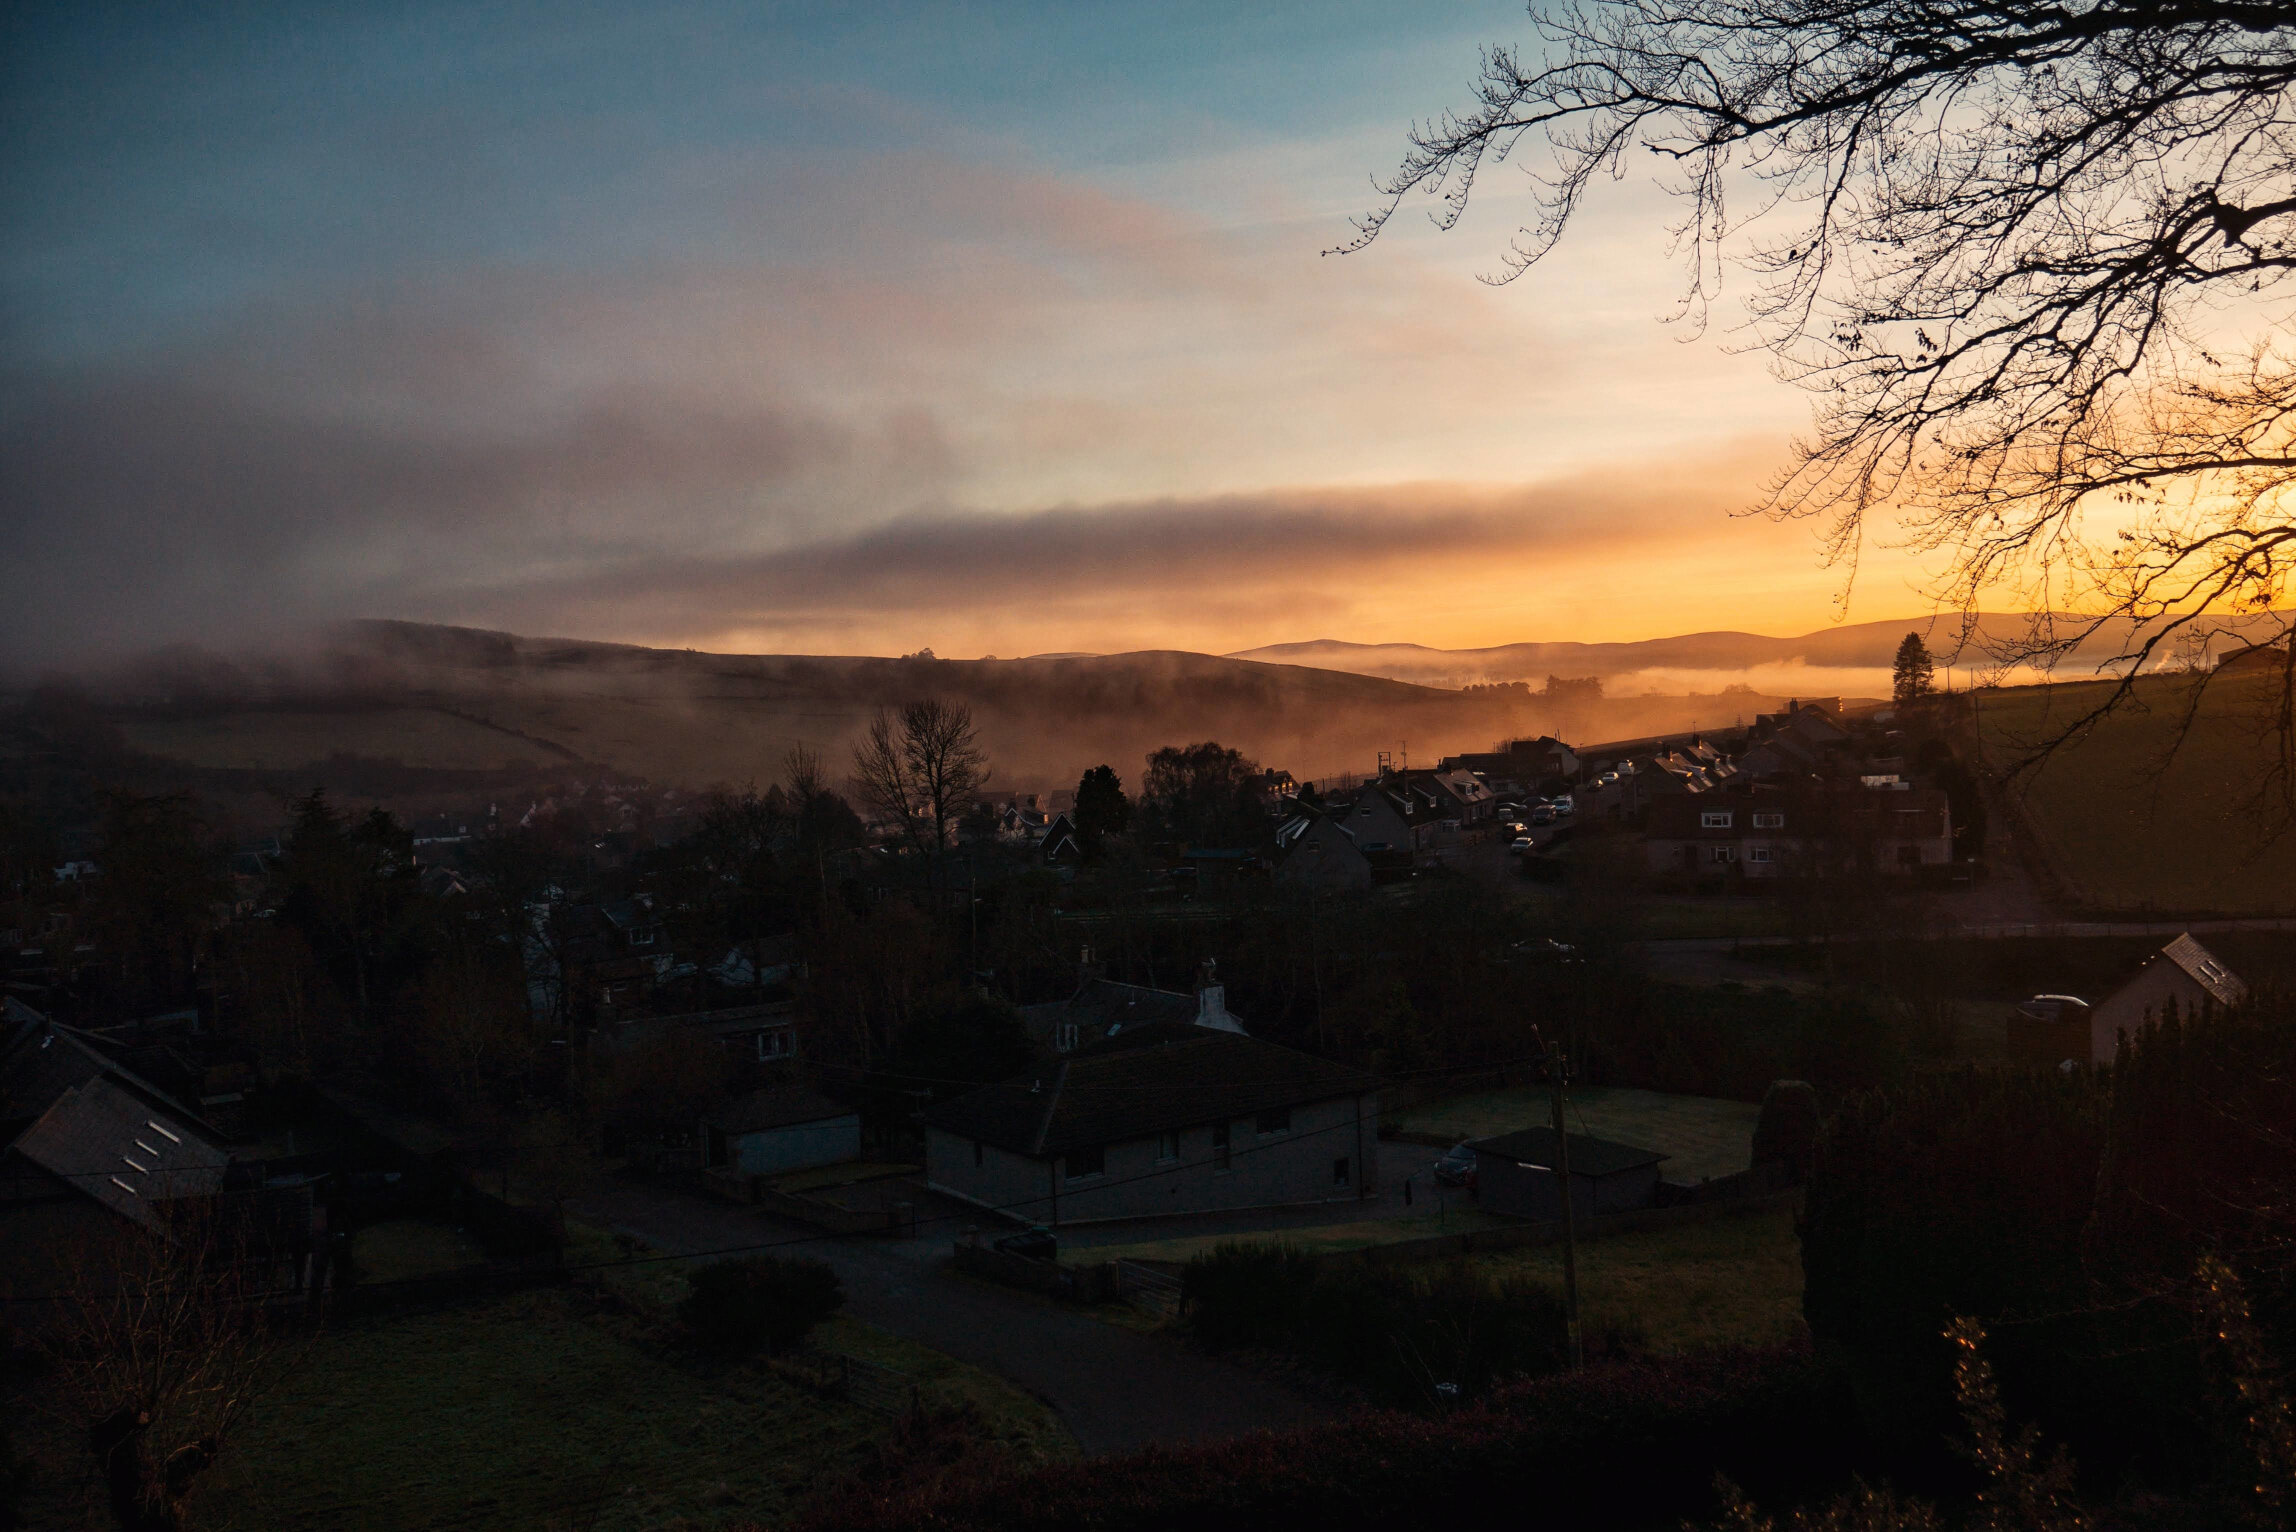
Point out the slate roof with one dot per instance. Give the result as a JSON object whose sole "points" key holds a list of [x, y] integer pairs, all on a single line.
{"points": [[127, 1155], [41, 1059], [1589, 1156], [1101, 1008], [2223, 985], [1158, 1079], [776, 1106]]}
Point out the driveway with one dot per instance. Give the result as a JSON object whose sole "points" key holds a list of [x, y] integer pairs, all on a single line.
{"points": [[1117, 1390]]}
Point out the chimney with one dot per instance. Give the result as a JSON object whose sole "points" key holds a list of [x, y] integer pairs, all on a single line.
{"points": [[1212, 999]]}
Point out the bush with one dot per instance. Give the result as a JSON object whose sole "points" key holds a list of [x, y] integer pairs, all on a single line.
{"points": [[1396, 1332], [763, 1302]]}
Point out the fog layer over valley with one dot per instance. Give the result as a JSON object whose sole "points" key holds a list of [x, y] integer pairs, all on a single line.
{"points": [[398, 710]]}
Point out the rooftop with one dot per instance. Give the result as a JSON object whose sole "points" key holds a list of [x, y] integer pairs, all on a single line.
{"points": [[1163, 1077]]}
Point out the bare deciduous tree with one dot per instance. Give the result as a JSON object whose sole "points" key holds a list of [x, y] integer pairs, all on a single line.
{"points": [[2032, 258], [919, 767], [161, 1348]]}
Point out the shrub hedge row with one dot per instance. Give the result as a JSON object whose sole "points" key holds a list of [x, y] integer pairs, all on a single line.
{"points": [[1623, 1445], [1399, 1333]]}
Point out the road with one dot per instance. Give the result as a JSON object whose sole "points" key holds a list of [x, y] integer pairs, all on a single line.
{"points": [[1117, 1390]]}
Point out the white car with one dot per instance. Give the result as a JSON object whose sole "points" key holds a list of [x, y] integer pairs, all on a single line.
{"points": [[1566, 804], [1523, 843], [1607, 779]]}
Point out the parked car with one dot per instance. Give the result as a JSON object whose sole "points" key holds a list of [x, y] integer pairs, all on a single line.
{"points": [[1522, 844], [1517, 827], [1457, 1167], [1544, 814], [1566, 805], [1607, 779]]}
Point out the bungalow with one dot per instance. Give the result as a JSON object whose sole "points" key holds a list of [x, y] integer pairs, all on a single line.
{"points": [[1170, 1118], [2183, 972], [1515, 1175]]}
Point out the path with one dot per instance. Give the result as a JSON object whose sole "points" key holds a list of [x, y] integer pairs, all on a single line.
{"points": [[1117, 1390]]}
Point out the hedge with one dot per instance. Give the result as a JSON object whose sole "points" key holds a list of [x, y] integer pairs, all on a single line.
{"points": [[1624, 1445]]}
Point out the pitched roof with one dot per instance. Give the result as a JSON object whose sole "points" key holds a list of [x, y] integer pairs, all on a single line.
{"points": [[41, 1059], [2223, 985], [1158, 1079], [776, 1106], [1103, 1008], [1589, 1156], [127, 1155]]}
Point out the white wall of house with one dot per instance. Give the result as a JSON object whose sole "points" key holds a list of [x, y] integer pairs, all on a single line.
{"points": [[1145, 1177]]}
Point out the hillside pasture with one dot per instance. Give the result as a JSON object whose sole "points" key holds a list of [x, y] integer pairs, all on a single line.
{"points": [[1729, 1281], [282, 739], [2131, 819]]}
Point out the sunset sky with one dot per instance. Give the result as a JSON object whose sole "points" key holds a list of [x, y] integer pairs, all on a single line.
{"points": [[1000, 329]]}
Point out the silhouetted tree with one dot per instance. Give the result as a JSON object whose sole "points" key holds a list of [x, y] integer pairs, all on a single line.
{"points": [[2028, 257], [919, 768], [1204, 795], [1102, 809], [1913, 674], [158, 882]]}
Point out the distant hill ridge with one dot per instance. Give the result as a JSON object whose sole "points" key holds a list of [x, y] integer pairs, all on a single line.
{"points": [[1862, 645]]}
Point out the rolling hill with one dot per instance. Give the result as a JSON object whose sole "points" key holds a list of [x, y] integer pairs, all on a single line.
{"points": [[373, 704]]}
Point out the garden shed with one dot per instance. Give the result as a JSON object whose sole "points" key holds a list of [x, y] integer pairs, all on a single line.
{"points": [[1515, 1175], [779, 1129]]}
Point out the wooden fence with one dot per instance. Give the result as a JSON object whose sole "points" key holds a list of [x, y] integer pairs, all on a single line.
{"points": [[833, 1374]]}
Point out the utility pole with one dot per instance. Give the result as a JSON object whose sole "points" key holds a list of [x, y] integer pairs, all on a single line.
{"points": [[1558, 1065]]}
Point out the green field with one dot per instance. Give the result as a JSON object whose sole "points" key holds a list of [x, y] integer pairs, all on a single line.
{"points": [[1731, 1281], [2126, 833], [1701, 1136], [542, 1409]]}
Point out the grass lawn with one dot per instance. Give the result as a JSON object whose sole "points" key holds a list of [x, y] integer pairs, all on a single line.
{"points": [[540, 1409], [405, 1248], [1702, 1136], [1461, 1219], [2126, 839], [1732, 1281]]}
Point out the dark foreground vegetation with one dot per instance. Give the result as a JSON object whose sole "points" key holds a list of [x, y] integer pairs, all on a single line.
{"points": [[2036, 1300]]}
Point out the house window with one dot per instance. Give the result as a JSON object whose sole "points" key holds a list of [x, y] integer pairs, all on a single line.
{"points": [[1769, 821], [1067, 1038], [1081, 1163], [1339, 1170], [979, 1154], [1714, 819], [1758, 854], [1220, 1157], [1722, 853], [1167, 1147], [773, 1045], [1277, 1121]]}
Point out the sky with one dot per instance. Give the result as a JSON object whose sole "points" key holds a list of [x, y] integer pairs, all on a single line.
{"points": [[995, 329]]}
